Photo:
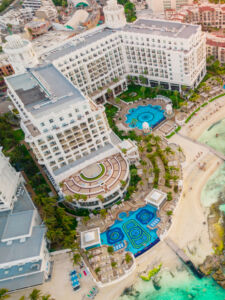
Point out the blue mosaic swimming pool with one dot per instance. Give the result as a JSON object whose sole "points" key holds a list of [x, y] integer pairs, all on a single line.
{"points": [[133, 229], [152, 114]]}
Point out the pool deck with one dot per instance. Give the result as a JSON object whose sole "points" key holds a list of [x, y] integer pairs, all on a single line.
{"points": [[126, 106]]}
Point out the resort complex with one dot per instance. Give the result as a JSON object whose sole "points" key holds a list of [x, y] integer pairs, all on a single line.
{"points": [[103, 132]]}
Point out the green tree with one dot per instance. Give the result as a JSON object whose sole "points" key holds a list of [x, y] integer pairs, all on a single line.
{"points": [[4, 294], [69, 198], [100, 197], [46, 297], [35, 295], [103, 213], [97, 270], [113, 264], [76, 258], [117, 100], [110, 250], [123, 183], [143, 89], [128, 258]]}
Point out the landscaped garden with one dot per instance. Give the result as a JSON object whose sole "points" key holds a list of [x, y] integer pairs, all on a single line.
{"points": [[136, 92]]}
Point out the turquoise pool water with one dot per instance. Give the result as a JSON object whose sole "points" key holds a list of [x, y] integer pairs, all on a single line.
{"points": [[132, 228], [153, 115]]}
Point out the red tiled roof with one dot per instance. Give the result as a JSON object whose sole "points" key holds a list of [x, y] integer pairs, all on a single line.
{"points": [[206, 8], [215, 43]]}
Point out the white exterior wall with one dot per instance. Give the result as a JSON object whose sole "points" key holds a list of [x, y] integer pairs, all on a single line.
{"points": [[9, 181], [95, 66], [64, 137], [159, 6], [177, 61]]}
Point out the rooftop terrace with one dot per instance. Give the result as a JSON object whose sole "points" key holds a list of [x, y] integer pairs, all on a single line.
{"points": [[44, 89]]}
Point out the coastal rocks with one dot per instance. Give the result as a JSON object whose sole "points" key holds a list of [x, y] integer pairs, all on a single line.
{"points": [[219, 277], [131, 292], [213, 265]]}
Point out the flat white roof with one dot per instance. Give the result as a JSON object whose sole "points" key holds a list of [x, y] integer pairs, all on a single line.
{"points": [[156, 197], [90, 238]]}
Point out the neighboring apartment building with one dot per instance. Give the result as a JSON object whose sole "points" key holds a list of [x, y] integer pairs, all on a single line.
{"points": [[47, 12], [6, 69], [159, 6], [36, 28], [24, 258], [215, 46], [66, 130], [36, 4], [165, 53], [207, 15]]}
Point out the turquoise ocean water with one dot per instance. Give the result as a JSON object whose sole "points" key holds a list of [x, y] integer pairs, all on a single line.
{"points": [[182, 284]]}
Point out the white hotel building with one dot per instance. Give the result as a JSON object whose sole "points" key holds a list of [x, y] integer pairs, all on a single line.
{"points": [[165, 53], [24, 258], [68, 132]]}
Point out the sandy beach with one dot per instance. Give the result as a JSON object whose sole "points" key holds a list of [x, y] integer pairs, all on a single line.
{"points": [[189, 228], [203, 119]]}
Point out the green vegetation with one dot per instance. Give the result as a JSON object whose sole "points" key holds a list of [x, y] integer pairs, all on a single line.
{"points": [[18, 135], [4, 294], [97, 270], [169, 213], [128, 258], [134, 179], [81, 212], [94, 178], [62, 3], [76, 258], [151, 273], [173, 132], [110, 250], [111, 111], [113, 264], [134, 92], [129, 9], [61, 227], [5, 4]]}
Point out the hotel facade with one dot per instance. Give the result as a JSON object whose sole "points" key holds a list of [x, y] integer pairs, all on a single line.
{"points": [[151, 52], [24, 258], [68, 132]]}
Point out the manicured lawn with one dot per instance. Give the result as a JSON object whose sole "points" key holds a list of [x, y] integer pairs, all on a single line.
{"points": [[94, 178]]}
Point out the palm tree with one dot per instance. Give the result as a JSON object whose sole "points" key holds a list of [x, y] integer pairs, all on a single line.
{"points": [[22, 298], [168, 150], [3, 294], [103, 213], [84, 197], [69, 198], [46, 297], [100, 197], [76, 258], [35, 295]]}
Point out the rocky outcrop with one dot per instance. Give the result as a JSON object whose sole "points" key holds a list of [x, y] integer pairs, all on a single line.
{"points": [[213, 265]]}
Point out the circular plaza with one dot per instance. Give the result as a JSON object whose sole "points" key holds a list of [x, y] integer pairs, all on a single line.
{"points": [[99, 184]]}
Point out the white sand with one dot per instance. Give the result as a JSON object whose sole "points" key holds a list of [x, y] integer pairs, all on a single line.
{"points": [[203, 119]]}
